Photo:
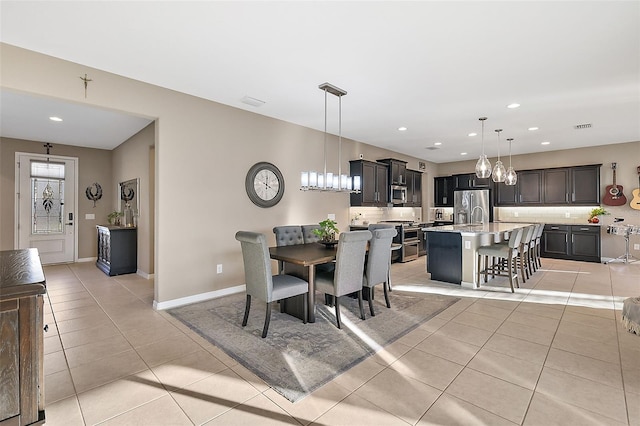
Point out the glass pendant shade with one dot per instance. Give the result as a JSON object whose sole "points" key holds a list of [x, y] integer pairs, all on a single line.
{"points": [[499, 172], [511, 177], [483, 166]]}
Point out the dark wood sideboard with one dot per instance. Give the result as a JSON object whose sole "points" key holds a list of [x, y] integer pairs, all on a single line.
{"points": [[22, 286], [117, 250]]}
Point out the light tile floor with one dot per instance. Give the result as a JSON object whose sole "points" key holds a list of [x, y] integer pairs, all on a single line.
{"points": [[552, 353]]}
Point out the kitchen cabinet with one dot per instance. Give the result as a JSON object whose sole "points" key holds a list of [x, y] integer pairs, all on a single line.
{"points": [[414, 189], [374, 190], [572, 242], [529, 187], [585, 185], [471, 181], [556, 186], [506, 195], [397, 171], [443, 191], [117, 250], [22, 289]]}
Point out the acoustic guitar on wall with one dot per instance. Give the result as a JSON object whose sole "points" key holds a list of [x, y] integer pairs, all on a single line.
{"points": [[635, 202], [613, 195]]}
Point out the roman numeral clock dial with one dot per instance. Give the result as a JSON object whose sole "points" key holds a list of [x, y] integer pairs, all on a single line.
{"points": [[264, 184]]}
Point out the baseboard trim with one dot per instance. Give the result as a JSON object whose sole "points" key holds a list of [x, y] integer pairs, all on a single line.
{"points": [[87, 259], [169, 304], [144, 275]]}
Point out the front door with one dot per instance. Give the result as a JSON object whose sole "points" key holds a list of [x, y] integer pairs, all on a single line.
{"points": [[46, 206]]}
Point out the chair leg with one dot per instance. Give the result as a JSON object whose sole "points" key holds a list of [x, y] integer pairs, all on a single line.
{"points": [[305, 300], [267, 319], [337, 304], [247, 307], [373, 314], [360, 304], [386, 294]]}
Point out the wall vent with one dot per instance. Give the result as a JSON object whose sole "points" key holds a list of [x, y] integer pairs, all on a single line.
{"points": [[582, 126]]}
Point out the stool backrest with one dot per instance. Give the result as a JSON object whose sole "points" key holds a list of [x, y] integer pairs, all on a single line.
{"points": [[515, 237], [528, 234]]}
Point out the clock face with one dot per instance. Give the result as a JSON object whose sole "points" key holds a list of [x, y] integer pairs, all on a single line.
{"points": [[264, 184]]}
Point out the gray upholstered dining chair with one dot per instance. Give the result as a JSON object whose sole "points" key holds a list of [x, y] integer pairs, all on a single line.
{"points": [[374, 226], [347, 276], [260, 282], [288, 235], [378, 263], [308, 235]]}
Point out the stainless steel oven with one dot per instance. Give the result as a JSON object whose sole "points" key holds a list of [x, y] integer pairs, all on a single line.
{"points": [[408, 237], [398, 194]]}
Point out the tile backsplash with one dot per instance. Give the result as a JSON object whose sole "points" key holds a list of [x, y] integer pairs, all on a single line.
{"points": [[359, 215], [561, 214]]}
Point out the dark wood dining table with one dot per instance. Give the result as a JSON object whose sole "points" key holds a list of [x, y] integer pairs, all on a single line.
{"points": [[306, 255]]}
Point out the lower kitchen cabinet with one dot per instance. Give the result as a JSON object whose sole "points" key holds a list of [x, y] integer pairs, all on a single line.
{"points": [[117, 250], [572, 242]]}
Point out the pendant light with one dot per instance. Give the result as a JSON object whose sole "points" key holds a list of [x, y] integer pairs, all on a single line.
{"points": [[511, 177], [483, 166], [498, 170], [327, 181]]}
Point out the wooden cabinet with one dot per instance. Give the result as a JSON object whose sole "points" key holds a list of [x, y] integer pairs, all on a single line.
{"points": [[471, 181], [572, 242], [397, 171], [559, 186], [530, 187], [117, 250], [374, 180], [22, 286], [443, 191], [414, 189]]}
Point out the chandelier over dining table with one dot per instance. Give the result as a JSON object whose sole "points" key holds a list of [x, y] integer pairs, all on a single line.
{"points": [[328, 181]]}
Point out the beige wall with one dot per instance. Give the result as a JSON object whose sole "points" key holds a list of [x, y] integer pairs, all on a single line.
{"points": [[131, 161], [94, 165], [625, 155], [203, 151]]}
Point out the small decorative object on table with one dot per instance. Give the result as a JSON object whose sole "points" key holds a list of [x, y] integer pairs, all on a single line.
{"points": [[327, 232], [598, 211], [114, 218]]}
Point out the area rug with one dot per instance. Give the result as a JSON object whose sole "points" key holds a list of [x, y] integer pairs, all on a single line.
{"points": [[296, 358]]}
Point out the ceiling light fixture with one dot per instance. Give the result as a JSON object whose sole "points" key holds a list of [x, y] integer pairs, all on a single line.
{"points": [[513, 105], [483, 166], [531, 129], [545, 143], [438, 143], [499, 172], [463, 153], [54, 118], [327, 181], [402, 129], [473, 134], [511, 177]]}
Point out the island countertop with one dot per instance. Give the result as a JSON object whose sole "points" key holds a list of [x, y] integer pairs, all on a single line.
{"points": [[478, 229]]}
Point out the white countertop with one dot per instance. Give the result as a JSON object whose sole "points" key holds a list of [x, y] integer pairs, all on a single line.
{"points": [[477, 229]]}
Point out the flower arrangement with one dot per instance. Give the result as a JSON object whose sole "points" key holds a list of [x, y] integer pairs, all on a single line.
{"points": [[598, 211], [327, 231]]}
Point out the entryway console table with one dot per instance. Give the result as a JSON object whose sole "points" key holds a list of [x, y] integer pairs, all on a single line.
{"points": [[117, 250], [22, 286]]}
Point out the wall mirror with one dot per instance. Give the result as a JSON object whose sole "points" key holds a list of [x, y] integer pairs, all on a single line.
{"points": [[130, 201]]}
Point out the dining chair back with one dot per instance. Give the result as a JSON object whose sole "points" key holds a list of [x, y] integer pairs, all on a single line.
{"points": [[378, 263], [349, 269], [288, 235], [259, 280], [307, 233]]}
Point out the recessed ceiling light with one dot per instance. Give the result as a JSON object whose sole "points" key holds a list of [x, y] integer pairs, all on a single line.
{"points": [[252, 101], [55, 118], [545, 143], [438, 143], [463, 153], [402, 129], [473, 134], [532, 128], [514, 105]]}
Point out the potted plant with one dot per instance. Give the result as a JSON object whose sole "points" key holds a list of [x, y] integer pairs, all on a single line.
{"points": [[327, 231], [598, 211], [114, 218]]}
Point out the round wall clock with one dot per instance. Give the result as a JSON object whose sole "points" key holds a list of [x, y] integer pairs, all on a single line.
{"points": [[264, 184]]}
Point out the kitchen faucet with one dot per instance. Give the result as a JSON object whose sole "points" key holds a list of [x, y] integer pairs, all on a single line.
{"points": [[481, 217]]}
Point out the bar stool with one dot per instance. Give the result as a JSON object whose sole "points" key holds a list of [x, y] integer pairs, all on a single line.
{"points": [[523, 252], [538, 249], [502, 251], [533, 261]]}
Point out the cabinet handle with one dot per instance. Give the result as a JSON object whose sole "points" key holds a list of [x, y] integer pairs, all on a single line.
{"points": [[555, 227], [445, 200], [520, 197], [572, 236], [573, 196], [566, 197], [584, 229], [566, 237]]}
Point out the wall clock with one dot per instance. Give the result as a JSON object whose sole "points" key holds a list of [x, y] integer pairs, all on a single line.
{"points": [[264, 184]]}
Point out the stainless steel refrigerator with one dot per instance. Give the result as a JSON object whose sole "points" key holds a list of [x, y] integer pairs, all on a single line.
{"points": [[472, 206]]}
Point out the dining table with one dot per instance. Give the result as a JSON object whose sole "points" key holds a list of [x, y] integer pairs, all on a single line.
{"points": [[308, 256]]}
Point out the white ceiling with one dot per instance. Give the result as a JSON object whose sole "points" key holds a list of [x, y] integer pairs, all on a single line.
{"points": [[433, 67]]}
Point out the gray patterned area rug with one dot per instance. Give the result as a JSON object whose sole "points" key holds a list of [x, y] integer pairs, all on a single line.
{"points": [[296, 358]]}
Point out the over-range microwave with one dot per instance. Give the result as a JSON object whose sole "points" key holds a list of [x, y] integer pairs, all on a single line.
{"points": [[398, 194]]}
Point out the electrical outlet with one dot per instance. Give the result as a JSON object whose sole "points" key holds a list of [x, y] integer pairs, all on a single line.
{"points": [[331, 216], [516, 214], [90, 216], [636, 246], [567, 215], [219, 268], [467, 245]]}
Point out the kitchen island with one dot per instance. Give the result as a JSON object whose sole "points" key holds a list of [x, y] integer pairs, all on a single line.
{"points": [[452, 249]]}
